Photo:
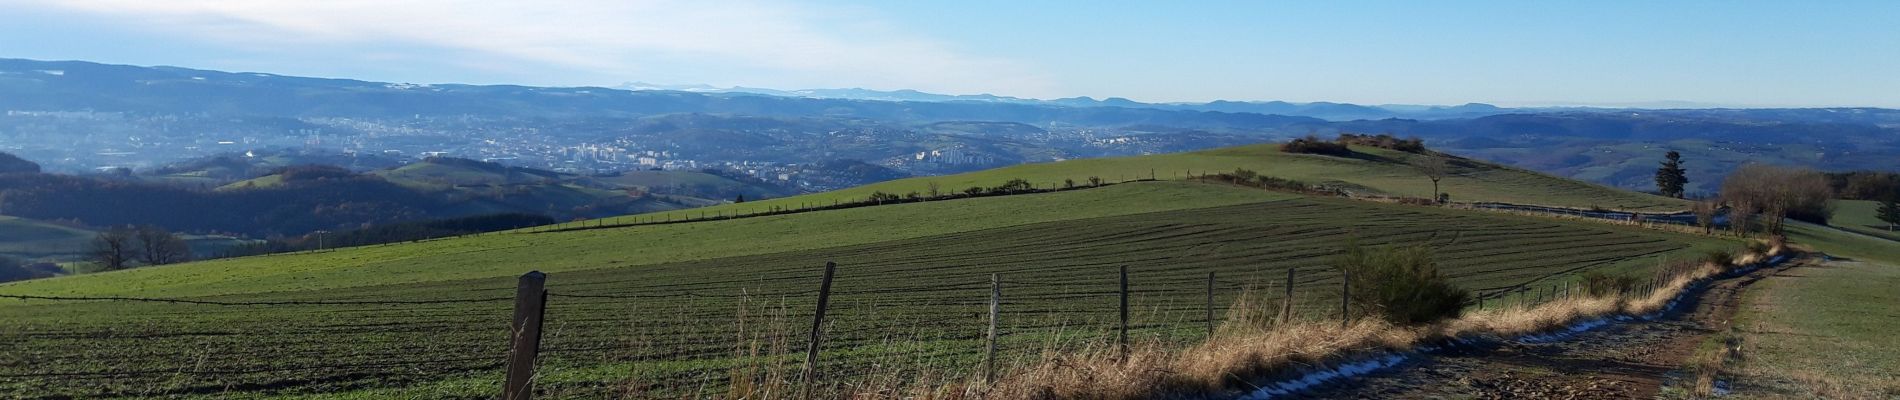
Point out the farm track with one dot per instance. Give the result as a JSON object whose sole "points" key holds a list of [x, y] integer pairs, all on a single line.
{"points": [[914, 304], [1633, 359]]}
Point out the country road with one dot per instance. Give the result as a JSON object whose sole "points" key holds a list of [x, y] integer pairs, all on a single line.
{"points": [[1630, 359]]}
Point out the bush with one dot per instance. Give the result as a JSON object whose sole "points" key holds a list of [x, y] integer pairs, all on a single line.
{"points": [[1719, 258], [1601, 284], [1014, 185], [1314, 145], [1242, 175], [1757, 247], [881, 197], [1385, 141], [1400, 285]]}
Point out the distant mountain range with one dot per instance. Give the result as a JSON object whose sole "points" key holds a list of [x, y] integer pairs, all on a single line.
{"points": [[1322, 110], [770, 132]]}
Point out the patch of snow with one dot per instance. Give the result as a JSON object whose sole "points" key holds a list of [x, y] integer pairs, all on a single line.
{"points": [[1380, 361], [53, 72], [1316, 378], [197, 78]]}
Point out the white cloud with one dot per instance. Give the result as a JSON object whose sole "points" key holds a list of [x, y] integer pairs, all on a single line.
{"points": [[773, 43]]}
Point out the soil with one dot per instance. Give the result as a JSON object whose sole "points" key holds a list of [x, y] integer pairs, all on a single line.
{"points": [[1627, 359]]}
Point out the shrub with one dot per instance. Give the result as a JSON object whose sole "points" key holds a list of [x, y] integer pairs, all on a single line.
{"points": [[1385, 141], [1400, 285], [1314, 145], [973, 191], [1014, 185], [1242, 175], [1068, 183], [880, 197], [1095, 181], [1757, 247], [1601, 284], [1719, 258]]}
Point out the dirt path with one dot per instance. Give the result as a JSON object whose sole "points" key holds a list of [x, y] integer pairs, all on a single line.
{"points": [[1628, 359]]}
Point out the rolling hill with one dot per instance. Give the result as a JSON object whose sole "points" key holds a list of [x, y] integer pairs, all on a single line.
{"points": [[1374, 172], [1858, 216], [653, 308]]}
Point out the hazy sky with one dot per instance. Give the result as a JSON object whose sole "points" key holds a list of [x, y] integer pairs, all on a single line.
{"points": [[1747, 53]]}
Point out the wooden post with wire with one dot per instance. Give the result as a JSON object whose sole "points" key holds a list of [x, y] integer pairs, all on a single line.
{"points": [[817, 327], [996, 307], [531, 298], [1345, 298], [1210, 304], [1121, 339], [1286, 303]]}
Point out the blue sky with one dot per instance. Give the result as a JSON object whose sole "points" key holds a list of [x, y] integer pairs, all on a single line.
{"points": [[1736, 53]]}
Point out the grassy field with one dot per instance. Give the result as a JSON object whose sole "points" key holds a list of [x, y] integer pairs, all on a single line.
{"points": [[909, 298], [29, 239], [1858, 216], [1378, 171], [39, 240], [1844, 243], [1840, 309]]}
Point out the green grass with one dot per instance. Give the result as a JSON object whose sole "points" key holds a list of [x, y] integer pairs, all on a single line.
{"points": [[262, 182], [1823, 331], [509, 254], [1858, 216], [29, 239], [1844, 243], [39, 240], [1381, 172], [909, 296]]}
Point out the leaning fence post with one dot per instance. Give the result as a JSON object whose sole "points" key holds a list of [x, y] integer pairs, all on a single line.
{"points": [[817, 326], [1210, 304], [1122, 338], [525, 335], [996, 305]]}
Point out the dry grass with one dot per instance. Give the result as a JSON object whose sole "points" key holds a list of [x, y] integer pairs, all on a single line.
{"points": [[1250, 346]]}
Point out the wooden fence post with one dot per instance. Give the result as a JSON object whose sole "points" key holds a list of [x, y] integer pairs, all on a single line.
{"points": [[996, 305], [1210, 304], [1286, 304], [531, 297], [1345, 298], [1122, 338], [818, 327]]}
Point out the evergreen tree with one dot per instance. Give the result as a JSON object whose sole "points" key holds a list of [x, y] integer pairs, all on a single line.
{"points": [[1889, 212], [1671, 178]]}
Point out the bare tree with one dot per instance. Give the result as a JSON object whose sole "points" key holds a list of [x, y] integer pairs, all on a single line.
{"points": [[112, 249], [1705, 215], [934, 188], [159, 247], [1779, 193], [1434, 166]]}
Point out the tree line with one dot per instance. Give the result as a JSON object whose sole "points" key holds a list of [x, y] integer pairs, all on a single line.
{"points": [[145, 245]]}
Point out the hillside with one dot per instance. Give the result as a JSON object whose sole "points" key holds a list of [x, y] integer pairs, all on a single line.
{"points": [[1376, 172], [1858, 216], [43, 241], [29, 239], [1059, 250], [691, 184]]}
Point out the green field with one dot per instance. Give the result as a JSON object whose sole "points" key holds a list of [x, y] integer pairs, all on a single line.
{"points": [[1858, 216], [28, 239], [1839, 309], [909, 296], [39, 240], [1377, 172]]}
